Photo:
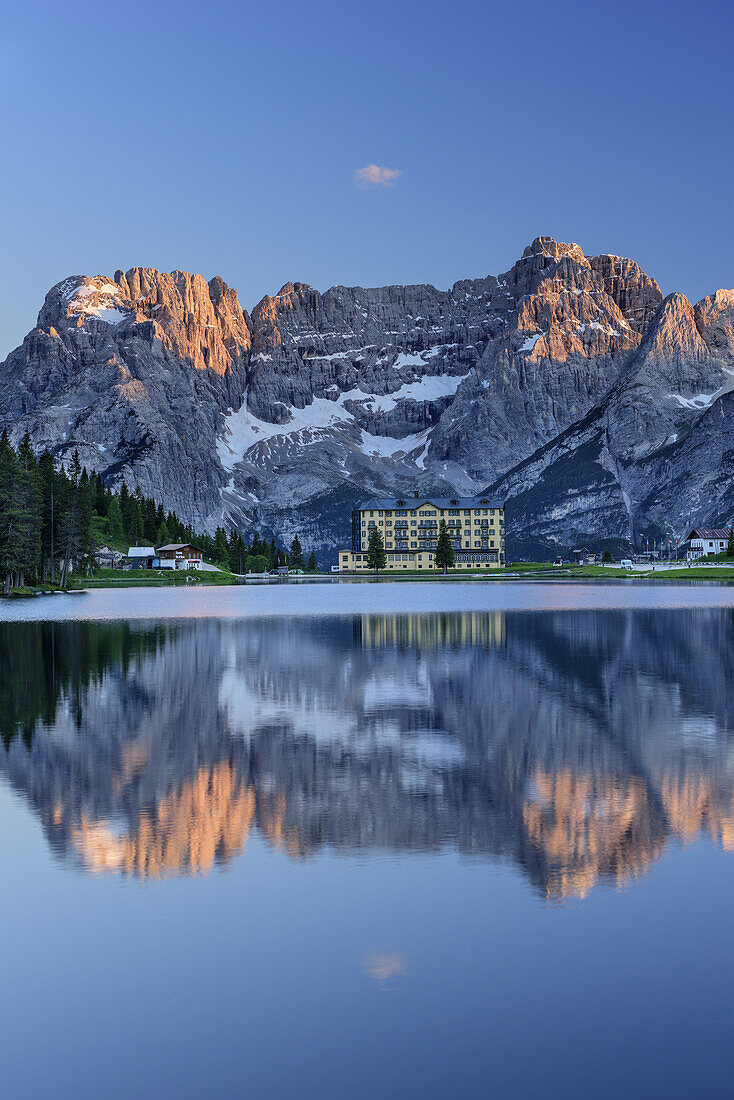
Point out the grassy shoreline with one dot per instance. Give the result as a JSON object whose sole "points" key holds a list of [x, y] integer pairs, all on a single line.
{"points": [[108, 578]]}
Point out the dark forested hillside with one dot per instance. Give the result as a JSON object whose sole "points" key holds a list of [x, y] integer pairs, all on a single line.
{"points": [[55, 519]]}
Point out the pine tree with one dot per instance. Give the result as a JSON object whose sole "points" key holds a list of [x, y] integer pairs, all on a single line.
{"points": [[7, 475], [444, 548], [88, 536], [295, 558], [312, 565], [100, 496], [163, 536], [220, 554], [114, 516], [376, 556], [27, 502], [49, 515], [71, 527], [730, 543], [150, 521]]}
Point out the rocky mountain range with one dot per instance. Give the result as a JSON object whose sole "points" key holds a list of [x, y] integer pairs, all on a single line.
{"points": [[568, 385]]}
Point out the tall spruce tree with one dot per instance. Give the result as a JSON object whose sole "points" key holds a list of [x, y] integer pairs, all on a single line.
{"points": [[114, 518], [295, 558], [376, 556], [220, 552], [7, 477], [49, 516], [444, 558], [27, 504], [72, 522]]}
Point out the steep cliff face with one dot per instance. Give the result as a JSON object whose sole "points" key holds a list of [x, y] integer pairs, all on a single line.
{"points": [[654, 457], [566, 383], [134, 372], [362, 391]]}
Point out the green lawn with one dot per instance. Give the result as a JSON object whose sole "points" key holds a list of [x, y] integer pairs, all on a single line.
{"points": [[141, 578]]}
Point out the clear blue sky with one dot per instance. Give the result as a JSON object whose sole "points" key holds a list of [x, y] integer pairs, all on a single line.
{"points": [[224, 137]]}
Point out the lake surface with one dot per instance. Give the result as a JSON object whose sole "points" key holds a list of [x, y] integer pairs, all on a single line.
{"points": [[379, 840]]}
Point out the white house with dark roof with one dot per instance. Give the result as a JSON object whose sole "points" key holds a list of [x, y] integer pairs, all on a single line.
{"points": [[704, 542], [180, 555]]}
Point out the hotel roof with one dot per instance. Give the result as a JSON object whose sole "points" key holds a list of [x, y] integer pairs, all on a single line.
{"points": [[383, 503]]}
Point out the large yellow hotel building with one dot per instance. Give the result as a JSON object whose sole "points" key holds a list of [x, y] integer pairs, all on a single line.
{"points": [[409, 530]]}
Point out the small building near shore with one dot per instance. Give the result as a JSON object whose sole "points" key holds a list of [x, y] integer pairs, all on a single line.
{"points": [[704, 542], [141, 557], [180, 555]]}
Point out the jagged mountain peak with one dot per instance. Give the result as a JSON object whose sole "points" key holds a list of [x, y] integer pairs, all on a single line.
{"points": [[715, 320], [549, 248]]}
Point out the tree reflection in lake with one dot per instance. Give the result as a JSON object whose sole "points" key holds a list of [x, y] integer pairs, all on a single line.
{"points": [[576, 744]]}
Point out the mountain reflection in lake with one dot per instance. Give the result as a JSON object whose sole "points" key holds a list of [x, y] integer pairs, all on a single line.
{"points": [[575, 745]]}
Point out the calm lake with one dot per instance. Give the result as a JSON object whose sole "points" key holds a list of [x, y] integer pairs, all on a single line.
{"points": [[375, 840]]}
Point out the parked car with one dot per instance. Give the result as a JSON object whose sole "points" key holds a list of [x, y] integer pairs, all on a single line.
{"points": [[335, 568], [558, 561], [274, 573], [626, 563]]}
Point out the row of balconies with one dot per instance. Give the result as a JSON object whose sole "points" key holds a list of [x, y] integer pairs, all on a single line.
{"points": [[431, 523]]}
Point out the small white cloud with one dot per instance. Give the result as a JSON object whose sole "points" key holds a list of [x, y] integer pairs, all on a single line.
{"points": [[373, 175]]}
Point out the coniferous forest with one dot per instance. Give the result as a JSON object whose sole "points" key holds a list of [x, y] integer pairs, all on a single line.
{"points": [[54, 520]]}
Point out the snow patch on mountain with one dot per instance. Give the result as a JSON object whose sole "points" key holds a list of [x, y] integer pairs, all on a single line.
{"points": [[531, 341], [243, 430], [384, 446], [701, 401]]}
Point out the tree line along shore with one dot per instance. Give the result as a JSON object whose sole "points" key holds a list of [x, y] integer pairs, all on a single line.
{"points": [[53, 521]]}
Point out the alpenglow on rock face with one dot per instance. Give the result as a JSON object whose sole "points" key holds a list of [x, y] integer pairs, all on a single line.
{"points": [[283, 418]]}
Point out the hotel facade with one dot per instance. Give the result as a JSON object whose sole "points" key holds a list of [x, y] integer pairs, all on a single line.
{"points": [[409, 527]]}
